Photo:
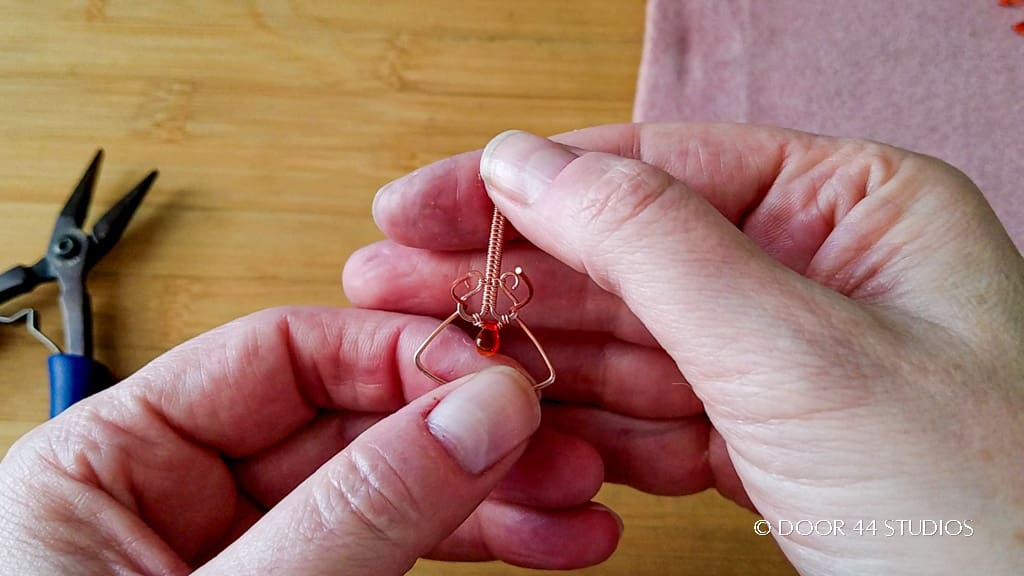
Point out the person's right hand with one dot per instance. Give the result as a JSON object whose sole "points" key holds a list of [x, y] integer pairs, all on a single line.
{"points": [[849, 314]]}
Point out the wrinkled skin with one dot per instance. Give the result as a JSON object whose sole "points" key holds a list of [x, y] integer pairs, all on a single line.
{"points": [[818, 328], [822, 329], [263, 447]]}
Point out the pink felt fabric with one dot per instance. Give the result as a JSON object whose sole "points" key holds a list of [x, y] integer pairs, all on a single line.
{"points": [[943, 77]]}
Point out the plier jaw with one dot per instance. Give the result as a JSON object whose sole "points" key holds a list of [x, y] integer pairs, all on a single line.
{"points": [[69, 257]]}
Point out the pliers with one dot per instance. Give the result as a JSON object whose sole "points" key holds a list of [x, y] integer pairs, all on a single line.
{"points": [[71, 254]]}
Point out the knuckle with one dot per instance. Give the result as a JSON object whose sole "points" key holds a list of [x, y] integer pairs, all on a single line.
{"points": [[623, 196], [268, 316], [878, 162], [365, 494], [911, 182]]}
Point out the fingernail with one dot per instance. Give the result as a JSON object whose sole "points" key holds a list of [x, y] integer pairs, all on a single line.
{"points": [[521, 165], [482, 420], [602, 508], [378, 199]]}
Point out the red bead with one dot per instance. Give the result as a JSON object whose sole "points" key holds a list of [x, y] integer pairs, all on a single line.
{"points": [[487, 340], [1019, 28]]}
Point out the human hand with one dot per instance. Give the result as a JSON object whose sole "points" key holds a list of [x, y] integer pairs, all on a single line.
{"points": [[264, 447], [849, 314]]}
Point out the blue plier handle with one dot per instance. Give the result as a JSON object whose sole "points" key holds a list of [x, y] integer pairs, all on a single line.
{"points": [[73, 378], [71, 254]]}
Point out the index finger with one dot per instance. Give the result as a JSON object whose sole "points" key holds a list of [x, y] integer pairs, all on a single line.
{"points": [[443, 206], [250, 383]]}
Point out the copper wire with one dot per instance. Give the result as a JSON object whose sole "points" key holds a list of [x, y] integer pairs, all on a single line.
{"points": [[492, 269], [489, 284]]}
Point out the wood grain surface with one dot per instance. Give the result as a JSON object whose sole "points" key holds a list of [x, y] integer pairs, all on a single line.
{"points": [[273, 124]]}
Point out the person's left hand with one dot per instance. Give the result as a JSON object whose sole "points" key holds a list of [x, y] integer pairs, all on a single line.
{"points": [[263, 447], [617, 389]]}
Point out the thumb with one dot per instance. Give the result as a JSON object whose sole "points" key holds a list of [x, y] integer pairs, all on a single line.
{"points": [[690, 275], [399, 489]]}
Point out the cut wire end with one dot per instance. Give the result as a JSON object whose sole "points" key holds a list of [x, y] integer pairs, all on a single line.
{"points": [[29, 316]]}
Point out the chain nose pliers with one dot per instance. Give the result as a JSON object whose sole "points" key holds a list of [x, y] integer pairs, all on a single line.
{"points": [[71, 254]]}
